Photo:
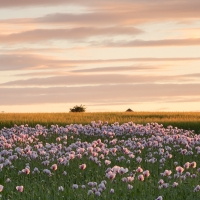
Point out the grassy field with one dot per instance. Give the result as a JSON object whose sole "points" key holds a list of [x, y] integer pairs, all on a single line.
{"points": [[185, 120]]}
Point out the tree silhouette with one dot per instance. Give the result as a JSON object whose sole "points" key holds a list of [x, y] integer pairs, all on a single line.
{"points": [[129, 110], [76, 108]]}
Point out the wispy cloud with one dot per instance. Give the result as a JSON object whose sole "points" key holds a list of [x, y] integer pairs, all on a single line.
{"points": [[114, 12], [24, 3], [95, 94], [102, 70], [66, 34], [100, 79], [152, 43], [18, 61], [116, 69]]}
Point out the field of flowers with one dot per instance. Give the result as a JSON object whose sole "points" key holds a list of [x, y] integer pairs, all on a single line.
{"points": [[99, 161]]}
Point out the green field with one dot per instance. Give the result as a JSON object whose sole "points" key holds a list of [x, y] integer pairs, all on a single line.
{"points": [[185, 120]]}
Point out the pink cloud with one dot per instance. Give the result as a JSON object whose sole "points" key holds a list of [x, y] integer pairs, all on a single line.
{"points": [[151, 43], [100, 79], [80, 33], [24, 60], [101, 94], [112, 12]]}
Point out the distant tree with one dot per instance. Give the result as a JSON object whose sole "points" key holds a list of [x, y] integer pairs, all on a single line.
{"points": [[129, 110], [76, 108]]}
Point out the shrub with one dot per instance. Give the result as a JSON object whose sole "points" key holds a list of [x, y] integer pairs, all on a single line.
{"points": [[76, 108]]}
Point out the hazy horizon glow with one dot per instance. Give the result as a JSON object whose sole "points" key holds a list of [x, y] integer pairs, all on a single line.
{"points": [[107, 55]]}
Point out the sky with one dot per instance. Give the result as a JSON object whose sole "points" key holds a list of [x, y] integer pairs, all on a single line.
{"points": [[107, 55]]}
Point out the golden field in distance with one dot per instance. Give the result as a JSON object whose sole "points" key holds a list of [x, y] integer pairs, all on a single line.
{"points": [[185, 120]]}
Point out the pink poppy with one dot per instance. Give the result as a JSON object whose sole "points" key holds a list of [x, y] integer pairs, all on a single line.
{"points": [[146, 173], [83, 166], [139, 170], [26, 171], [107, 162], [187, 165], [54, 167], [179, 169], [1, 188], [193, 164], [141, 177], [20, 188]]}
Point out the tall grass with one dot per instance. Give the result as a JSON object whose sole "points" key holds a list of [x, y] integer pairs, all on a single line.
{"points": [[185, 120]]}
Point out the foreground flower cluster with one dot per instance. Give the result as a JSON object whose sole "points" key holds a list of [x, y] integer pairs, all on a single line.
{"points": [[119, 161]]}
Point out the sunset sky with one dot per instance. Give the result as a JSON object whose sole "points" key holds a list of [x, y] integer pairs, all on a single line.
{"points": [[107, 55]]}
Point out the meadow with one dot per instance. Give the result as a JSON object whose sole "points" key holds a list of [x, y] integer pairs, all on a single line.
{"points": [[100, 156]]}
